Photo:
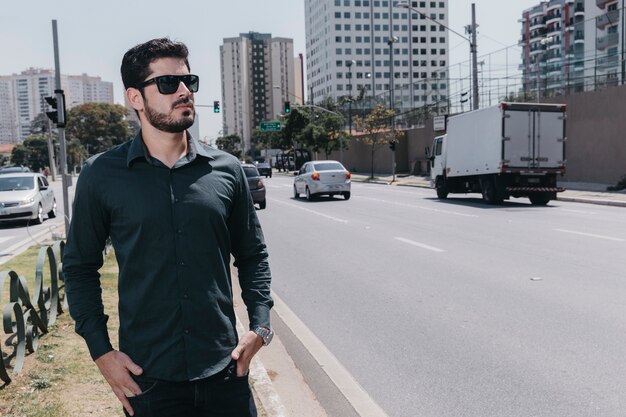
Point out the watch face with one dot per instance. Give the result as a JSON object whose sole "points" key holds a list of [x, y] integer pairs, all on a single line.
{"points": [[266, 334]]}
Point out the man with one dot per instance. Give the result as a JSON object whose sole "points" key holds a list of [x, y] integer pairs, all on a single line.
{"points": [[175, 211]]}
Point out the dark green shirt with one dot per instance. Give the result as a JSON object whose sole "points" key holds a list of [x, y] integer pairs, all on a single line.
{"points": [[173, 231]]}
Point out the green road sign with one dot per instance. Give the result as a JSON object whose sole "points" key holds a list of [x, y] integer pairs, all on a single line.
{"points": [[270, 126]]}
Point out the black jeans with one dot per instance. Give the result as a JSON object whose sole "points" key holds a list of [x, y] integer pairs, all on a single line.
{"points": [[221, 395]]}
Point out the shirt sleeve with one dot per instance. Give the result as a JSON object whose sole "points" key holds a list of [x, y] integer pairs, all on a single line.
{"points": [[82, 258], [250, 253]]}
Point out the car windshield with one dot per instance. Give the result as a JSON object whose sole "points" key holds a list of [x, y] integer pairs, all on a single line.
{"points": [[328, 166], [16, 183], [251, 171]]}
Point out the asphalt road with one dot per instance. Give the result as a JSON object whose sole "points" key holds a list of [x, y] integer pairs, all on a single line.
{"points": [[16, 234], [458, 308]]}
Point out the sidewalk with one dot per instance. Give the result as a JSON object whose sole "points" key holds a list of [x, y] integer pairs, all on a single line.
{"points": [[579, 192]]}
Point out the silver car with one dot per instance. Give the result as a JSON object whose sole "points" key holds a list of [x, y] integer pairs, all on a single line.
{"points": [[26, 196], [322, 178]]}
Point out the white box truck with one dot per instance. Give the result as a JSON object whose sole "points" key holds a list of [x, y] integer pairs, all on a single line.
{"points": [[509, 150]]}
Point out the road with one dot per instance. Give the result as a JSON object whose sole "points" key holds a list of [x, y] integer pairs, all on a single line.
{"points": [[458, 308], [16, 235]]}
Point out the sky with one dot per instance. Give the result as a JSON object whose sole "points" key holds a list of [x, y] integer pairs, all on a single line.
{"points": [[93, 36]]}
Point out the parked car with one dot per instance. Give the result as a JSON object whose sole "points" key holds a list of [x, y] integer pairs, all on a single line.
{"points": [[265, 169], [26, 196], [14, 169], [322, 178], [255, 183]]}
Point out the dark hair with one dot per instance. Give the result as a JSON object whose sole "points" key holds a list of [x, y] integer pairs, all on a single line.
{"points": [[136, 62]]}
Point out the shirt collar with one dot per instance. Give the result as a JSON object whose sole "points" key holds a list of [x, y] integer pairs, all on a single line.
{"points": [[138, 149]]}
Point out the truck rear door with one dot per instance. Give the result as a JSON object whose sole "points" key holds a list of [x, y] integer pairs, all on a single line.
{"points": [[533, 136]]}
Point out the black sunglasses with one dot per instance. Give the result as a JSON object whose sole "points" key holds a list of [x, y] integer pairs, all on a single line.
{"points": [[168, 84]]}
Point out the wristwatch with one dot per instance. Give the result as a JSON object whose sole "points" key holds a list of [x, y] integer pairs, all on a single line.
{"points": [[265, 333]]}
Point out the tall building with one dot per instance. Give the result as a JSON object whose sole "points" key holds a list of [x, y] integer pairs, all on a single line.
{"points": [[355, 45], [258, 76], [22, 98], [571, 45], [7, 118], [609, 37]]}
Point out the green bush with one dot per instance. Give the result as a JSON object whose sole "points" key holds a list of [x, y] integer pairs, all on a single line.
{"points": [[621, 185]]}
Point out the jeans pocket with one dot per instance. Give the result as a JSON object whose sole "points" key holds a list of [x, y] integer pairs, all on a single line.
{"points": [[147, 385], [231, 373]]}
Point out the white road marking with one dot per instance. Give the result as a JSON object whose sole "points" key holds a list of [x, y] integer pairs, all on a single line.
{"points": [[593, 213], [364, 405], [454, 213], [615, 239], [337, 219], [419, 245]]}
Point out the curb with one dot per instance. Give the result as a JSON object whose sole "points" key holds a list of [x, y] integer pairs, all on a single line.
{"points": [[613, 203]]}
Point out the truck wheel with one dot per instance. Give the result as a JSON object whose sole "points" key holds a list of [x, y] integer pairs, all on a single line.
{"points": [[489, 191], [442, 190], [539, 199]]}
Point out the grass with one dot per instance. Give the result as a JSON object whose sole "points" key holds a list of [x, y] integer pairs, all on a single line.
{"points": [[60, 379]]}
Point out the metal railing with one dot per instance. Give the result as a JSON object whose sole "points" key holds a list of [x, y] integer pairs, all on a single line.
{"points": [[25, 317]]}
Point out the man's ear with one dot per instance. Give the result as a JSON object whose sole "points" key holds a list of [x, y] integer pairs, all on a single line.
{"points": [[134, 98]]}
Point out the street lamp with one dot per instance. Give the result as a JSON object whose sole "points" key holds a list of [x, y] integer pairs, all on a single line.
{"points": [[390, 42], [472, 42], [349, 64]]}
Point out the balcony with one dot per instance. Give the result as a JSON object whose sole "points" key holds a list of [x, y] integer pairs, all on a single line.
{"points": [[579, 10], [609, 18], [607, 62], [553, 17], [607, 41], [602, 3]]}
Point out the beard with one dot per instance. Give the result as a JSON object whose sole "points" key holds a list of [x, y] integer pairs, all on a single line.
{"points": [[166, 123]]}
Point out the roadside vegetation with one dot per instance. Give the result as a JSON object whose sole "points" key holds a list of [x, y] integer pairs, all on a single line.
{"points": [[59, 379]]}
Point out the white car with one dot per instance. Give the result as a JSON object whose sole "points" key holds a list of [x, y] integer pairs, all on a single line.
{"points": [[26, 196], [322, 178]]}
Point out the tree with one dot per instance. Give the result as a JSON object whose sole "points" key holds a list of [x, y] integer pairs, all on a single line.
{"points": [[41, 124], [326, 132], [98, 126], [378, 130], [269, 140], [32, 153], [298, 119], [75, 153], [230, 144]]}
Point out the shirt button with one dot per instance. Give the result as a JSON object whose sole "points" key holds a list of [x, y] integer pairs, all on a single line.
{"points": [[176, 200], [185, 296], [179, 231], [181, 263], [186, 331]]}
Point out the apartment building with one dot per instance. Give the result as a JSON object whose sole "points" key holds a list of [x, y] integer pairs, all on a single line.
{"points": [[571, 46], [372, 45], [258, 76], [22, 98]]}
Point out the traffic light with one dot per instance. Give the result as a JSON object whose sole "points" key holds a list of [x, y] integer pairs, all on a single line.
{"points": [[58, 114], [392, 145], [216, 106], [287, 107]]}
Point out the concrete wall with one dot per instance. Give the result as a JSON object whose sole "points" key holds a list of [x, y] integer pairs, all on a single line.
{"points": [[595, 147], [596, 135]]}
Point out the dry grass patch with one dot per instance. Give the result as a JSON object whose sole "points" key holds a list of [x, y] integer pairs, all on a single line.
{"points": [[60, 379]]}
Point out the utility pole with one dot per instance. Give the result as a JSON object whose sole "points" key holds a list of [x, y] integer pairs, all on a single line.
{"points": [[60, 99], [623, 39], [474, 60]]}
